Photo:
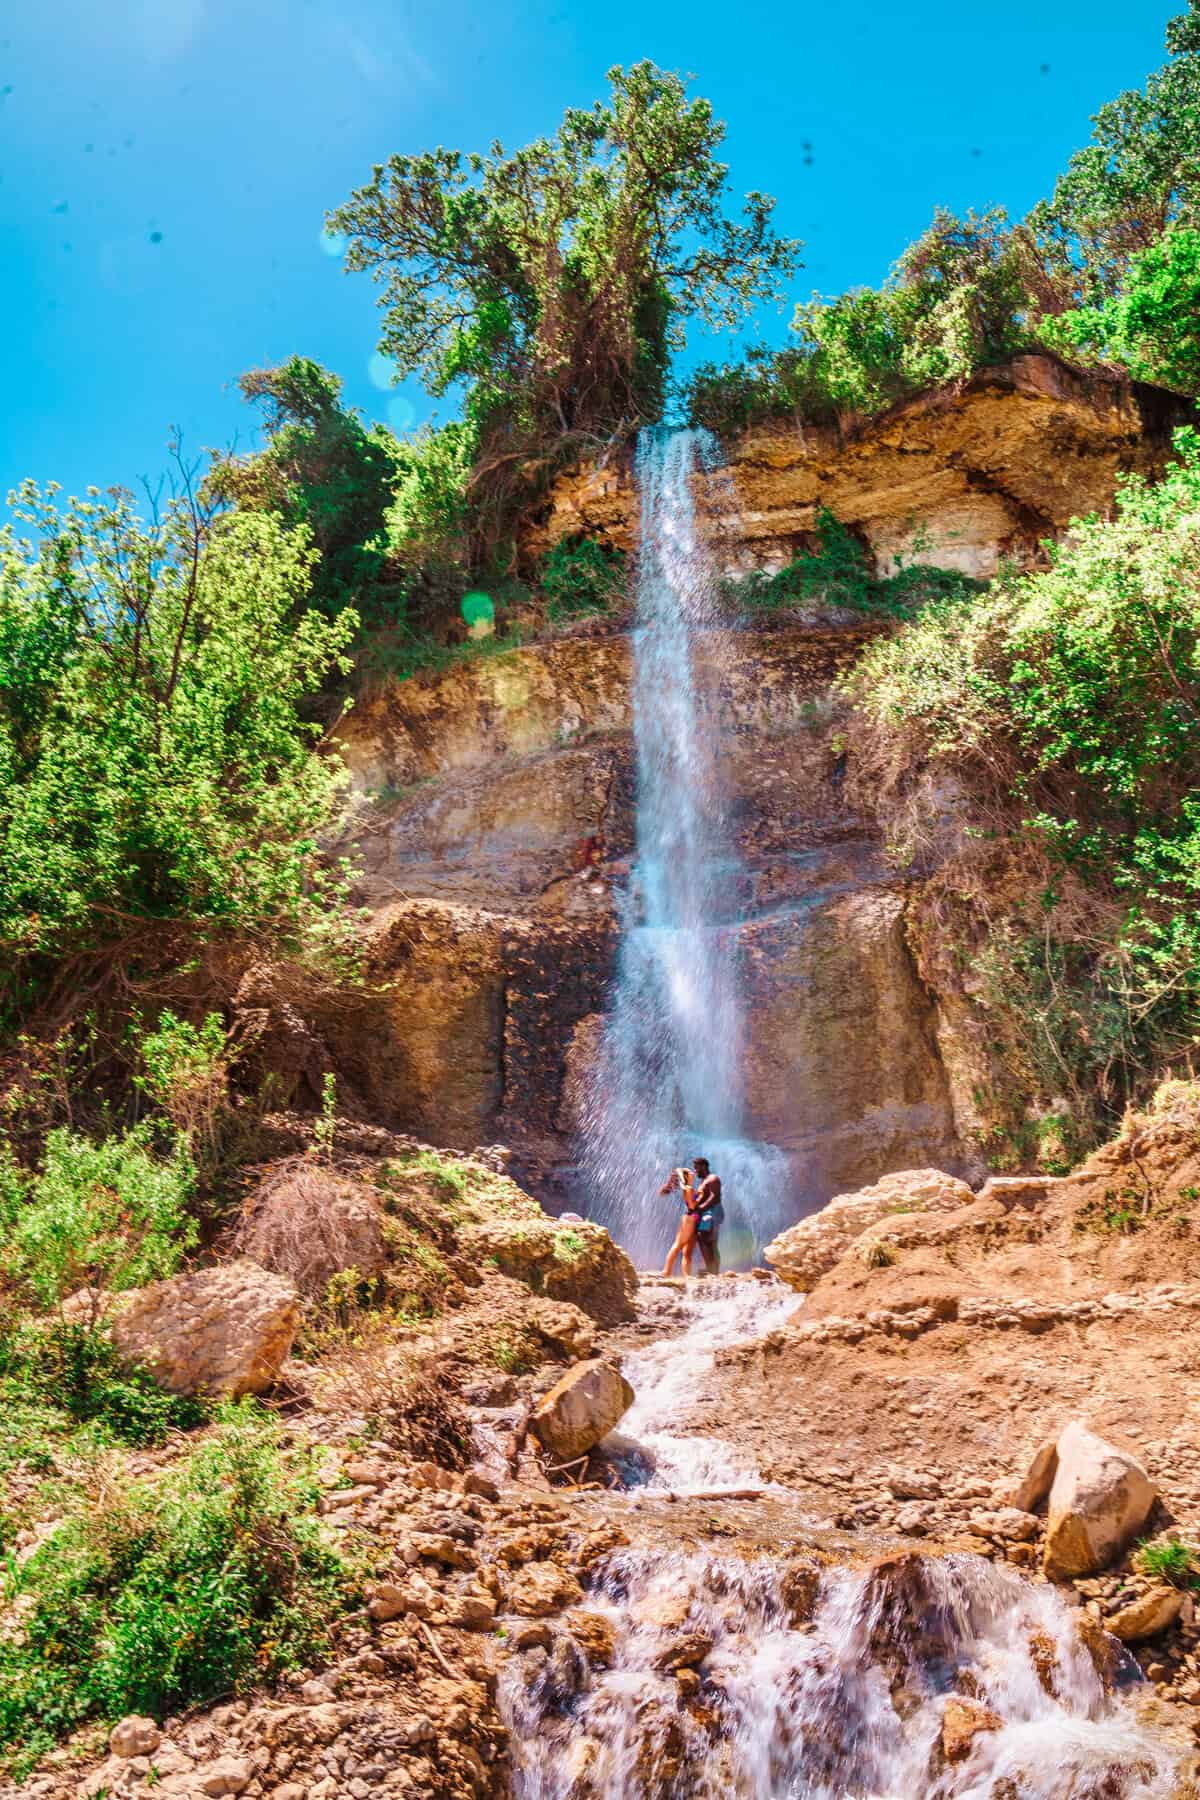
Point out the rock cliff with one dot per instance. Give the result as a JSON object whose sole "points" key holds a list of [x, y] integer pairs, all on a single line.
{"points": [[493, 825], [960, 477]]}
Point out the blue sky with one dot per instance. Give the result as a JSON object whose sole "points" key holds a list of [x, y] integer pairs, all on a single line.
{"points": [[165, 166]]}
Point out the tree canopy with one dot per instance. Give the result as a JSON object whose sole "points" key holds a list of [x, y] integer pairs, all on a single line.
{"points": [[552, 283]]}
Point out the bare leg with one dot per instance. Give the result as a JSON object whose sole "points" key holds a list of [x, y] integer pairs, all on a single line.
{"points": [[677, 1248]]}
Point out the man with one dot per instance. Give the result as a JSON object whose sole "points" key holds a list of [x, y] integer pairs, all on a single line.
{"points": [[709, 1215]]}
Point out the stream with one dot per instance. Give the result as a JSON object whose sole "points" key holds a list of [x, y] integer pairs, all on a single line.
{"points": [[763, 1668]]}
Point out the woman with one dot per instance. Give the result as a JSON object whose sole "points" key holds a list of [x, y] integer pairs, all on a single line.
{"points": [[683, 1182]]}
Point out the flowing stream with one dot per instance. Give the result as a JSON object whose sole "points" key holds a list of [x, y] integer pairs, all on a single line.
{"points": [[668, 1085], [761, 1674]]}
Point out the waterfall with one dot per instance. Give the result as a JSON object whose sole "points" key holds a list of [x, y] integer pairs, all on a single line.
{"points": [[796, 1686], [667, 1085]]}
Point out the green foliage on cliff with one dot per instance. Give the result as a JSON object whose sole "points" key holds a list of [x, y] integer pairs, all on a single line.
{"points": [[1105, 270], [1066, 704], [324, 471], [838, 572], [155, 770], [162, 1593], [548, 286]]}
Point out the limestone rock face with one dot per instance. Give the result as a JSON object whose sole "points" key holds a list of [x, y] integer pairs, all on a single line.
{"points": [[577, 1263], [955, 478], [1100, 1500], [220, 1331], [805, 1252], [581, 1409]]}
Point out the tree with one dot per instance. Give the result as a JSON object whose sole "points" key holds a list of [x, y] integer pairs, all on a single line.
{"points": [[552, 283], [154, 769], [322, 469], [1152, 327], [1138, 176]]}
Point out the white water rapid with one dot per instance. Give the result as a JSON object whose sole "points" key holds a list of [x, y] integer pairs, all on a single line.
{"points": [[842, 1699], [765, 1674], [667, 1085], [670, 1377]]}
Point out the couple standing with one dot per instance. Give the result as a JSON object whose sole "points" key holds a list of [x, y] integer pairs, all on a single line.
{"points": [[700, 1192]]}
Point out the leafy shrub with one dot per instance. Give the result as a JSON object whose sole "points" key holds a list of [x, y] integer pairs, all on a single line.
{"points": [[1152, 327], [60, 1375], [105, 1215], [154, 768], [1175, 1563], [322, 471], [582, 576], [166, 1592], [1066, 703], [838, 573]]}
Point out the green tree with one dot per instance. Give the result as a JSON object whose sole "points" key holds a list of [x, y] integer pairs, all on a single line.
{"points": [[552, 283], [1152, 327], [321, 469], [154, 768], [1139, 174]]}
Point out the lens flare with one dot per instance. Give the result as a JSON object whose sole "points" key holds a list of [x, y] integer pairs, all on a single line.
{"points": [[401, 414], [478, 609], [382, 371], [333, 243]]}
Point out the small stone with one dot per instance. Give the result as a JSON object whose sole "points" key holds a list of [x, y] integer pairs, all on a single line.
{"points": [[962, 1722], [228, 1775], [1146, 1616]]}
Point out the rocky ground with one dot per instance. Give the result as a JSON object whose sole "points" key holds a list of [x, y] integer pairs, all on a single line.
{"points": [[916, 1397]]}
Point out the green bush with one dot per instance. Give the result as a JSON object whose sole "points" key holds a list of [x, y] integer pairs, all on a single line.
{"points": [[164, 1593], [838, 573], [582, 576], [1066, 703], [154, 768], [56, 1375], [1175, 1563], [1152, 327], [108, 1215]]}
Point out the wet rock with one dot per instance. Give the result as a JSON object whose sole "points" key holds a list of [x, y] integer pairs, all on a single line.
{"points": [[800, 1585], [962, 1722], [594, 1634], [1100, 1500], [805, 1252], [581, 1409], [1110, 1659], [686, 1651], [1146, 1616], [542, 1588], [225, 1330]]}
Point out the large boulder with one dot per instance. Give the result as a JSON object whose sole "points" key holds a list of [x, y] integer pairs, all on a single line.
{"points": [[222, 1331], [581, 1409], [1100, 1500], [805, 1252], [576, 1262]]}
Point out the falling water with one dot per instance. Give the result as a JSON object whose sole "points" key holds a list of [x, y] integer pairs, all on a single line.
{"points": [[668, 1081], [800, 1687]]}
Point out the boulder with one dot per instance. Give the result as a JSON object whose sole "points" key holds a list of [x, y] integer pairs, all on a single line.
{"points": [[134, 1736], [221, 1331], [581, 1409], [575, 1263], [1100, 1500], [1034, 1488], [805, 1252], [1146, 1616]]}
